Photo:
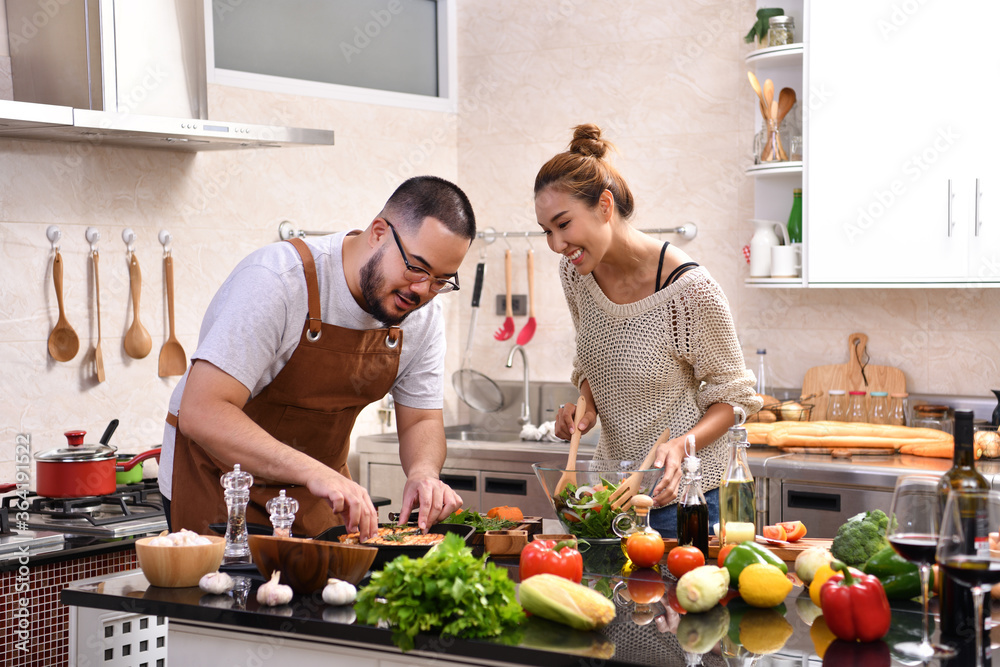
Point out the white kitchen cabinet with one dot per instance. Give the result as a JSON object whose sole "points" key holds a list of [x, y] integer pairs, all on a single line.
{"points": [[901, 125]]}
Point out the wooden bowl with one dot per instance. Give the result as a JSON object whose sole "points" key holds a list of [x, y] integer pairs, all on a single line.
{"points": [[179, 566], [505, 542], [305, 565]]}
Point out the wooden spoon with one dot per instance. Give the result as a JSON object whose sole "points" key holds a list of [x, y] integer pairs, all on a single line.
{"points": [[569, 475], [172, 358], [98, 355], [768, 90], [138, 342], [786, 100], [756, 87], [63, 341]]}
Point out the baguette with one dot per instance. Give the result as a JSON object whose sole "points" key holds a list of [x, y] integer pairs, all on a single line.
{"points": [[941, 450], [847, 434]]}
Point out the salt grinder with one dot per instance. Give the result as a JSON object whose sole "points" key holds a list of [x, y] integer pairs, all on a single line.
{"points": [[282, 510], [237, 485]]}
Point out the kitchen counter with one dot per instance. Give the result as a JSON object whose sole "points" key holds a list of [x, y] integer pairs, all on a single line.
{"points": [[205, 628]]}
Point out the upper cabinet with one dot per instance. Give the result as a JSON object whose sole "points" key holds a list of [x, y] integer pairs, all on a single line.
{"points": [[902, 182]]}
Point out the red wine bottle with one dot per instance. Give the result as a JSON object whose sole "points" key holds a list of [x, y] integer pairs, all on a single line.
{"points": [[956, 602]]}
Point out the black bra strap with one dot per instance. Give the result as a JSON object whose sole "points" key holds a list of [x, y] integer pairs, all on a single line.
{"points": [[680, 271], [659, 268]]}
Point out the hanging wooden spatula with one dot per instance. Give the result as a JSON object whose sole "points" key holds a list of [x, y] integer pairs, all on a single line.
{"points": [[98, 354], [172, 358], [622, 496], [569, 475]]}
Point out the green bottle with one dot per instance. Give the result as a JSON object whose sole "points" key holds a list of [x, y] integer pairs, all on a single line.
{"points": [[795, 217]]}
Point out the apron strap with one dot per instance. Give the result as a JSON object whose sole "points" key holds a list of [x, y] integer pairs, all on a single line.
{"points": [[314, 315]]}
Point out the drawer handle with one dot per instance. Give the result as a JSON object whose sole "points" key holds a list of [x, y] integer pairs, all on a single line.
{"points": [[511, 487], [809, 500], [460, 482]]}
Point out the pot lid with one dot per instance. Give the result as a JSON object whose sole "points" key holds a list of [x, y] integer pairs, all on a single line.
{"points": [[77, 451]]}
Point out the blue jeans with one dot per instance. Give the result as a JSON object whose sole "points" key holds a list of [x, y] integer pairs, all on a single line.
{"points": [[665, 519]]}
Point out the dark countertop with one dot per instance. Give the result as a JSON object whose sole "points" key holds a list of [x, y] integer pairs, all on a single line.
{"points": [[638, 636]]}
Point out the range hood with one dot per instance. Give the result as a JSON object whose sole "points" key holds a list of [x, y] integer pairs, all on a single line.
{"points": [[122, 72]]}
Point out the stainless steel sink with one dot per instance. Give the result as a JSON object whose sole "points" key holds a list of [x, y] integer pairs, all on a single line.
{"points": [[460, 433]]}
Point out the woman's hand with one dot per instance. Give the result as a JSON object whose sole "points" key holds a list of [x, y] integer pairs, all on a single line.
{"points": [[564, 426], [669, 456]]}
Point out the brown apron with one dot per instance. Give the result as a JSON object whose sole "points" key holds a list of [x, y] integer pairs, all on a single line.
{"points": [[310, 405]]}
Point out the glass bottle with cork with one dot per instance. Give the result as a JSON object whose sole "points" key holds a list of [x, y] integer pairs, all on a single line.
{"points": [[956, 603], [795, 217], [737, 498], [692, 510]]}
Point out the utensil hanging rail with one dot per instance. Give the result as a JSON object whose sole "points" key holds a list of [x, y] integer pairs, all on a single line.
{"points": [[689, 230]]}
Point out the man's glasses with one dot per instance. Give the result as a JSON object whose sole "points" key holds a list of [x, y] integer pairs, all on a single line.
{"points": [[415, 274]]}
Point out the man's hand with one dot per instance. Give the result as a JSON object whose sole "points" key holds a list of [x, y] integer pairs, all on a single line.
{"points": [[435, 499], [348, 499]]}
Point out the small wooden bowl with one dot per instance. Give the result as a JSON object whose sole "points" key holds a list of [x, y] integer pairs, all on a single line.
{"points": [[505, 542], [305, 565], [179, 566], [558, 537]]}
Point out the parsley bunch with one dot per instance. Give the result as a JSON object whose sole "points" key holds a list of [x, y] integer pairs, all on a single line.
{"points": [[449, 591], [480, 521]]}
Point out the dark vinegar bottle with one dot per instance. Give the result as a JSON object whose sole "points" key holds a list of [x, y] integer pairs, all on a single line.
{"points": [[692, 510], [956, 603]]}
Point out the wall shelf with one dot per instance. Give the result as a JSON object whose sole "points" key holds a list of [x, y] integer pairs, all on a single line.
{"points": [[776, 54], [772, 168]]}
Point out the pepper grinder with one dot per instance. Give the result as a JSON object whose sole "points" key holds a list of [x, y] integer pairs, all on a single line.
{"points": [[282, 510], [237, 485]]}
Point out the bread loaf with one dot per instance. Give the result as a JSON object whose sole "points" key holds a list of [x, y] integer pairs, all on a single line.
{"points": [[846, 434]]}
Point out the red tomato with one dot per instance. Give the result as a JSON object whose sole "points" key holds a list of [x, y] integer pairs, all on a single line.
{"points": [[794, 530], [681, 560], [644, 549], [723, 552], [774, 532], [549, 557], [645, 586]]}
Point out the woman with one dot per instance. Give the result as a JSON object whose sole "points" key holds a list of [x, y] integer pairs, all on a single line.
{"points": [[655, 343]]}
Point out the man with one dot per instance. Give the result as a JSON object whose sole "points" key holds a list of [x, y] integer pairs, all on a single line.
{"points": [[296, 342]]}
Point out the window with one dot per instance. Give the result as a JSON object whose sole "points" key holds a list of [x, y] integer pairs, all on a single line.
{"points": [[396, 52]]}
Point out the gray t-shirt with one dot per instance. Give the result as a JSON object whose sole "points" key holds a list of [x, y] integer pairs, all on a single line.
{"points": [[255, 321]]}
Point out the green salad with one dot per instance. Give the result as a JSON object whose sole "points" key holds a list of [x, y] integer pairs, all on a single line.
{"points": [[586, 510]]}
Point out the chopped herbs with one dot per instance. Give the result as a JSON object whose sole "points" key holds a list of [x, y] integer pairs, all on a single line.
{"points": [[480, 521], [448, 591]]}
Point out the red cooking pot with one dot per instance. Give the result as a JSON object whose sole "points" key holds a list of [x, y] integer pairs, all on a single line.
{"points": [[79, 469]]}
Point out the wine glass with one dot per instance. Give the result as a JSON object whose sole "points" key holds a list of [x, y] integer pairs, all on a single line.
{"points": [[913, 533], [963, 548]]}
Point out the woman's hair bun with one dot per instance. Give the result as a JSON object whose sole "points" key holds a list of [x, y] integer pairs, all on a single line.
{"points": [[587, 141]]}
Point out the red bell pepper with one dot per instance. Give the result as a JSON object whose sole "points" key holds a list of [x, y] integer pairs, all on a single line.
{"points": [[855, 606], [548, 557]]}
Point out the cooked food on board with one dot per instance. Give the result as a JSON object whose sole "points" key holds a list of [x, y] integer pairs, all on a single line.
{"points": [[395, 536]]}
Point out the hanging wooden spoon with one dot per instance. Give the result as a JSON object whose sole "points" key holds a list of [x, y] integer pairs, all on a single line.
{"points": [[138, 342], [63, 341], [172, 358], [98, 355]]}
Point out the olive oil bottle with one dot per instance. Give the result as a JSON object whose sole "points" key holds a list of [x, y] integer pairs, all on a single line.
{"points": [[737, 498]]}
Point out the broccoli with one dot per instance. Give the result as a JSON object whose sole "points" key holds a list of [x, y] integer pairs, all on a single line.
{"points": [[860, 538]]}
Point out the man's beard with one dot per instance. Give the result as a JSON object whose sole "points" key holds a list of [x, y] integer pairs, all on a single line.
{"points": [[371, 288]]}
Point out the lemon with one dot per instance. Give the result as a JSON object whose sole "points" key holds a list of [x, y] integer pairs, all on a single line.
{"points": [[764, 631], [763, 585]]}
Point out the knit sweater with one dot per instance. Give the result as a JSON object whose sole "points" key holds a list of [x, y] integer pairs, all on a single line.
{"points": [[658, 362]]}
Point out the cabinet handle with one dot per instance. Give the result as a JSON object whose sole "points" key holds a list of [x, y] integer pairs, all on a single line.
{"points": [[460, 482], [951, 196], [510, 487], [979, 195], [810, 500]]}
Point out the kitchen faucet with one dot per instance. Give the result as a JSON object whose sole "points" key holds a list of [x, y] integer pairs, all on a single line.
{"points": [[525, 417]]}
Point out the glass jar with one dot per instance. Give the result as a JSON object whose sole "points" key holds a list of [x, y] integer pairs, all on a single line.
{"points": [[933, 416], [880, 407], [780, 30], [897, 409], [836, 406], [856, 411]]}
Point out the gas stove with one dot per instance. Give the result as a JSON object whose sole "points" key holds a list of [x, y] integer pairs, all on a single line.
{"points": [[16, 544], [133, 509]]}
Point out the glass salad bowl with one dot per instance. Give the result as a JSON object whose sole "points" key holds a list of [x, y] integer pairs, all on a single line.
{"points": [[583, 507]]}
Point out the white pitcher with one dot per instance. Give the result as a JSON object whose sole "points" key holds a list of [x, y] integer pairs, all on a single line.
{"points": [[764, 238]]}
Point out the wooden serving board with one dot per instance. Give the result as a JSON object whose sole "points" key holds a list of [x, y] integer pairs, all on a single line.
{"points": [[841, 451], [786, 552], [821, 379]]}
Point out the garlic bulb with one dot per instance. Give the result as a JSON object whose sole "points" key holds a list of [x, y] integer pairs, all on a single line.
{"points": [[272, 593], [339, 592], [216, 583], [182, 538]]}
